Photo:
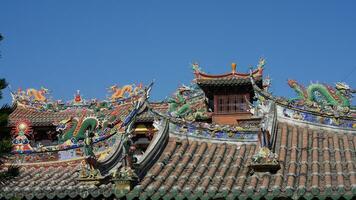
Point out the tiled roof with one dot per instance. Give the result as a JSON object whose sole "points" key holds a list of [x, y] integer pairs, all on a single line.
{"points": [[37, 118], [48, 118], [238, 75], [224, 81], [314, 163], [49, 181], [148, 116]]}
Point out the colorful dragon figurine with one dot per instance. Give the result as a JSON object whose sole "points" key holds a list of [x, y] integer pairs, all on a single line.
{"points": [[323, 95], [119, 93], [178, 105], [181, 105], [38, 95], [75, 128]]}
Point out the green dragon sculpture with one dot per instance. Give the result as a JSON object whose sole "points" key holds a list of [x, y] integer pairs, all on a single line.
{"points": [[75, 128], [324, 96], [178, 105], [181, 104]]}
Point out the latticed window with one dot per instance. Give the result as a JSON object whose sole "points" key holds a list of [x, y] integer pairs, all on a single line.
{"points": [[228, 104]]}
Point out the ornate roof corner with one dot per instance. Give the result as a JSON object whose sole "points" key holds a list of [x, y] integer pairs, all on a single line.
{"points": [[124, 175]]}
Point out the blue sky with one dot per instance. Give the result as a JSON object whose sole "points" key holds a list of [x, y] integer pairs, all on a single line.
{"points": [[91, 45]]}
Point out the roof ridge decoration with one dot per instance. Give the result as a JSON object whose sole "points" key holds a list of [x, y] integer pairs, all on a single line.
{"points": [[21, 143], [258, 72], [233, 134], [124, 175], [311, 112], [183, 127], [119, 93], [72, 126], [40, 99], [70, 141], [290, 103], [323, 97], [188, 102], [312, 118]]}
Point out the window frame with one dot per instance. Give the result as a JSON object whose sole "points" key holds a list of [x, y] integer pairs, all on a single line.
{"points": [[231, 103]]}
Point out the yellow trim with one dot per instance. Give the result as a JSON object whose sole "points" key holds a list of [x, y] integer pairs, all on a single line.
{"points": [[141, 128]]}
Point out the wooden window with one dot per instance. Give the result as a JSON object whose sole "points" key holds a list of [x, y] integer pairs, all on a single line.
{"points": [[229, 104]]}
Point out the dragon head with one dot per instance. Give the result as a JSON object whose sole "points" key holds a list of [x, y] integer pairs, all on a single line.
{"points": [[113, 88], [63, 125], [342, 86], [184, 88], [344, 89], [44, 90], [292, 83], [298, 88]]}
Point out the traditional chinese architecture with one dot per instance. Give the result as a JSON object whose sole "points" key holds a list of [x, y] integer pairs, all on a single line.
{"points": [[222, 137], [229, 95]]}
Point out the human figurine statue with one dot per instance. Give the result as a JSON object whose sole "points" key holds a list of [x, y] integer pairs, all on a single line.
{"points": [[264, 136], [261, 109], [91, 170]]}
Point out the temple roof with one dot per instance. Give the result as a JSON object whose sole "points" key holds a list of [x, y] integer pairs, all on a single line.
{"points": [[314, 163], [188, 159]]}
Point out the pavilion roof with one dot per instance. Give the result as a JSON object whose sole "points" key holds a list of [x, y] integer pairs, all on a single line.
{"points": [[233, 78], [227, 81]]}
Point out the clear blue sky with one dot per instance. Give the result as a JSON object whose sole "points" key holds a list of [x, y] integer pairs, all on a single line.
{"points": [[90, 45]]}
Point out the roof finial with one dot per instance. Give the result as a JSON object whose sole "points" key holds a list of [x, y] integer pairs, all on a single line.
{"points": [[233, 66], [77, 97], [195, 66], [261, 62]]}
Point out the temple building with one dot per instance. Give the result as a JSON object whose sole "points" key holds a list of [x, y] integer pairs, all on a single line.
{"points": [[224, 136], [229, 95]]}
